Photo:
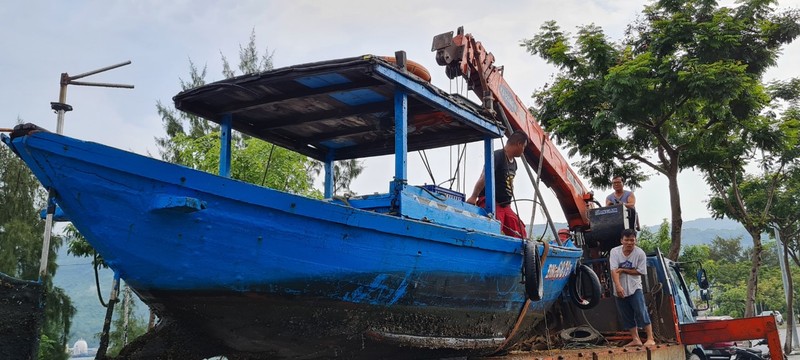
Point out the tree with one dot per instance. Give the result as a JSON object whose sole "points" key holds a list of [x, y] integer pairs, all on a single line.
{"points": [[785, 220], [785, 215], [770, 139], [686, 70], [283, 169], [728, 250], [729, 199], [693, 257], [124, 332], [21, 231], [650, 242], [182, 145]]}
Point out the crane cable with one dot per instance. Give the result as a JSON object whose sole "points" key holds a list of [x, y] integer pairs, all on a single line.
{"points": [[424, 157]]}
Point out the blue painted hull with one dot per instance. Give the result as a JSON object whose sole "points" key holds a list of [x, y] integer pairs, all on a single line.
{"points": [[250, 265]]}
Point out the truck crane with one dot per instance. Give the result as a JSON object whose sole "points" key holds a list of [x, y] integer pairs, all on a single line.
{"points": [[672, 308], [463, 56]]}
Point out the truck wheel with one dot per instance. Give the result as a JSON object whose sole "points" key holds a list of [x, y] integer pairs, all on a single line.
{"points": [[533, 272], [696, 354], [584, 287]]}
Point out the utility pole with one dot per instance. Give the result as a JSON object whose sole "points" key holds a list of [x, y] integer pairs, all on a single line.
{"points": [[790, 322], [61, 107]]}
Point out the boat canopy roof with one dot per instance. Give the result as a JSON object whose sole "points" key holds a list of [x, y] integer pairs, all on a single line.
{"points": [[339, 109]]}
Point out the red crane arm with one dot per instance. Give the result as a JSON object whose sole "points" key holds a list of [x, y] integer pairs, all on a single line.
{"points": [[463, 56]]}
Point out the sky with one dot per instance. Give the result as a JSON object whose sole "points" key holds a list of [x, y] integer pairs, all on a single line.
{"points": [[42, 39]]}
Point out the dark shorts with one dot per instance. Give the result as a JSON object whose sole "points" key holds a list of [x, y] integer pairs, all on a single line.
{"points": [[633, 311]]}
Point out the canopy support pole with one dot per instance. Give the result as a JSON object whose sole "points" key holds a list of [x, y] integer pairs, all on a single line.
{"points": [[329, 174], [225, 145], [488, 176]]}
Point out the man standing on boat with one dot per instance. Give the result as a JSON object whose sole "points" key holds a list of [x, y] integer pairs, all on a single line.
{"points": [[628, 263], [505, 169]]}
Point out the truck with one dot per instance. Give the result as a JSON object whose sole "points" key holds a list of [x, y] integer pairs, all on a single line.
{"points": [[588, 316]]}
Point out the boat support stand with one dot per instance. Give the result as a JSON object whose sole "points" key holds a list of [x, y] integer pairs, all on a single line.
{"points": [[101, 351]]}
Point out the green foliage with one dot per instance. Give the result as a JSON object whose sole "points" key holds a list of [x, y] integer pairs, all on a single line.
{"points": [[650, 242], [693, 257], [686, 76], [21, 232], [784, 213], [288, 171], [749, 199], [769, 254], [175, 123], [729, 280], [136, 327], [727, 250], [730, 302], [58, 319], [78, 246], [48, 348], [198, 146]]}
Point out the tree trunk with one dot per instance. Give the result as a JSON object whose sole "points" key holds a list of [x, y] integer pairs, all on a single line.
{"points": [[677, 219], [752, 280]]}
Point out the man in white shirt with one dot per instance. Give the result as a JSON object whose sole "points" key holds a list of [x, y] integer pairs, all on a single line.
{"points": [[628, 263]]}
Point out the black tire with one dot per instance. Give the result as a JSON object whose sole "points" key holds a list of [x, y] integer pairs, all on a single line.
{"points": [[533, 272], [584, 288], [584, 334]]}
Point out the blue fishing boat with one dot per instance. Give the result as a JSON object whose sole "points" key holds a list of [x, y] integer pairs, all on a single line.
{"points": [[233, 268]]}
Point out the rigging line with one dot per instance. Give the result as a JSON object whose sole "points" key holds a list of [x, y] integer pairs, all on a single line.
{"points": [[266, 168], [458, 165], [539, 177], [463, 184], [450, 164], [513, 331], [424, 156], [536, 188], [97, 280]]}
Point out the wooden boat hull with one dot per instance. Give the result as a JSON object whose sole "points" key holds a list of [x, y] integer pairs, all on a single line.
{"points": [[259, 270]]}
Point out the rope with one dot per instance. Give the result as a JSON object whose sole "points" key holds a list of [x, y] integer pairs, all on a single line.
{"points": [[592, 327], [435, 195], [544, 311], [97, 281], [514, 328], [269, 161], [458, 166], [424, 156], [655, 292], [524, 309]]}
